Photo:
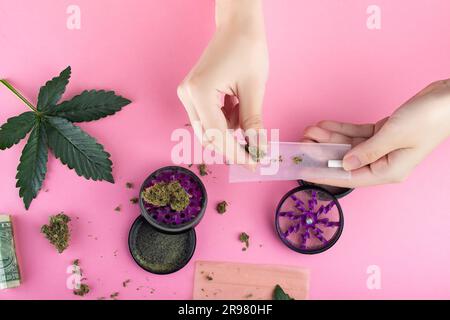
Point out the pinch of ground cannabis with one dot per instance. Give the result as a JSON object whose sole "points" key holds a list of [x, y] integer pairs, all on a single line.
{"points": [[162, 194], [222, 207], [202, 169], [255, 152], [134, 200], [297, 159], [244, 238], [57, 231]]}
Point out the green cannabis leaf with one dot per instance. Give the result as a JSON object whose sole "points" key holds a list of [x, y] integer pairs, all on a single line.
{"points": [[279, 294], [15, 129], [53, 90], [90, 105], [51, 126], [33, 165], [78, 150]]}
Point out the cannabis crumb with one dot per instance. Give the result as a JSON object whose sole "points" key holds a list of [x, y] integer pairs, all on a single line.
{"points": [[82, 290], [202, 169], [118, 208], [134, 200], [129, 185], [57, 231], [209, 278], [297, 160], [244, 238], [222, 207], [114, 295], [125, 283]]}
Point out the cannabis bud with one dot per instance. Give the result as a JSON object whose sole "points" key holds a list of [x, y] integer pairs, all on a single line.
{"points": [[57, 231], [202, 169], [167, 193], [244, 238], [222, 207]]}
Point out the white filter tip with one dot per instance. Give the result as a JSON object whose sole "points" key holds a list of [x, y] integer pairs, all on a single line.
{"points": [[335, 164]]}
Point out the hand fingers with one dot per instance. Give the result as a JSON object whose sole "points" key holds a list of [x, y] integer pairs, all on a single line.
{"points": [[203, 103], [369, 151], [194, 119], [231, 111], [325, 136], [321, 135], [348, 129], [392, 168], [251, 97]]}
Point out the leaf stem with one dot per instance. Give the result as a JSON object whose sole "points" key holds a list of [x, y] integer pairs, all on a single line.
{"points": [[19, 95]]}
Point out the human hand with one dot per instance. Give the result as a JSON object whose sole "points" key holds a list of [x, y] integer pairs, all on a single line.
{"points": [[387, 151], [234, 64]]}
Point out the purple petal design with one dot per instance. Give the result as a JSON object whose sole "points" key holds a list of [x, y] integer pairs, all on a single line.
{"points": [[304, 238], [329, 206], [320, 210], [318, 234]]}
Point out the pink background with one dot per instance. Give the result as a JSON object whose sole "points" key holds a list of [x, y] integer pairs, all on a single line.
{"points": [[325, 63]]}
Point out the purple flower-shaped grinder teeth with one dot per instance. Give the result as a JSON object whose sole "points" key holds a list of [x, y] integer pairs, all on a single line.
{"points": [[309, 219]]}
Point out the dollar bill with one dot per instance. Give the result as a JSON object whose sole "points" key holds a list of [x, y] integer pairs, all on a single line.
{"points": [[9, 268]]}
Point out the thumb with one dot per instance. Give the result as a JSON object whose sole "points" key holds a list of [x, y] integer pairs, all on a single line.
{"points": [[370, 150], [251, 119]]}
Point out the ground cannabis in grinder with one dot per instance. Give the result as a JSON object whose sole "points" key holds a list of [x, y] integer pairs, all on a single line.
{"points": [[57, 231]]}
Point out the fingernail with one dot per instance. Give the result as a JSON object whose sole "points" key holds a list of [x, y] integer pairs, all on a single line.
{"points": [[351, 163]]}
